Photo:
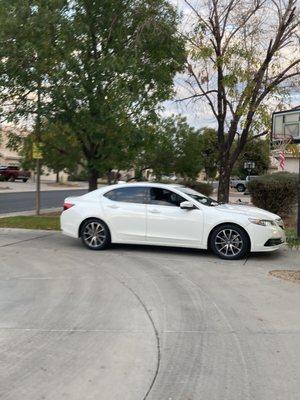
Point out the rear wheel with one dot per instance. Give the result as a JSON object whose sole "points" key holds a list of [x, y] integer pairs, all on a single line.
{"points": [[229, 242], [24, 180], [95, 234]]}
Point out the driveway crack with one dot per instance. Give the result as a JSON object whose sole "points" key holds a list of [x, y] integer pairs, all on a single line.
{"points": [[156, 333]]}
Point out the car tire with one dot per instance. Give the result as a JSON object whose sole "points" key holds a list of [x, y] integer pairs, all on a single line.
{"points": [[95, 234], [240, 187], [229, 242], [24, 180]]}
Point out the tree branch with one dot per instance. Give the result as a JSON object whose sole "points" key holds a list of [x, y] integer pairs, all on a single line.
{"points": [[191, 71], [196, 95]]}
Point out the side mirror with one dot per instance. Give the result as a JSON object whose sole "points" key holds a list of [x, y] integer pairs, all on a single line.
{"points": [[187, 205]]}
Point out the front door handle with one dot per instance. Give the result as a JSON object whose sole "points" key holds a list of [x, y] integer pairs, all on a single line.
{"points": [[154, 211]]}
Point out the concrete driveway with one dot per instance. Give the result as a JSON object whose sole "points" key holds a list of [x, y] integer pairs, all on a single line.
{"points": [[136, 323]]}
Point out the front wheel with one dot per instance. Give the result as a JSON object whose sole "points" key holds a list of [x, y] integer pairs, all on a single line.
{"points": [[95, 234], [229, 242], [240, 187], [24, 180]]}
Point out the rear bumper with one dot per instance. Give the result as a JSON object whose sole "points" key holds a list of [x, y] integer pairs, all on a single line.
{"points": [[69, 233], [67, 224]]}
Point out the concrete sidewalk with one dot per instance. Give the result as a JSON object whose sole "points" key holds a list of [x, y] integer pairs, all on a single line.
{"points": [[18, 186]]}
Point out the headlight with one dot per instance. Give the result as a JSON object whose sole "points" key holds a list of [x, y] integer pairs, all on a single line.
{"points": [[262, 222], [280, 223]]}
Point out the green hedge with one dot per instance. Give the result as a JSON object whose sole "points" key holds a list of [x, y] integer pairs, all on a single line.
{"points": [[275, 192], [201, 187]]}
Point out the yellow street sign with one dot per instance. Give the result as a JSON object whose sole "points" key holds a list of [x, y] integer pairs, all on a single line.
{"points": [[37, 151]]}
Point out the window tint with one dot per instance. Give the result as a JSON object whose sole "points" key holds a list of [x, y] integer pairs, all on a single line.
{"points": [[164, 197], [127, 195]]}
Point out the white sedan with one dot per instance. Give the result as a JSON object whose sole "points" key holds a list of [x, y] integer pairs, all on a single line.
{"points": [[169, 215]]}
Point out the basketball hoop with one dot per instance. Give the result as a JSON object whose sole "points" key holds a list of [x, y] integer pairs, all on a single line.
{"points": [[280, 143]]}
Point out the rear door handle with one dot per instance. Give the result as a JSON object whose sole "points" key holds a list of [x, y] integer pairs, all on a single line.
{"points": [[112, 206], [154, 211]]}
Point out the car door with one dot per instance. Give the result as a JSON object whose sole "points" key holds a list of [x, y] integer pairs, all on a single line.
{"points": [[168, 224], [125, 211]]}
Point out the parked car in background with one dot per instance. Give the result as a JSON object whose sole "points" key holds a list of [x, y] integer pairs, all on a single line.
{"points": [[241, 184], [171, 177], [12, 173], [169, 215]]}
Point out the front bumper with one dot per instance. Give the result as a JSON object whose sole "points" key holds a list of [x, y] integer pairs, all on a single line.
{"points": [[266, 238]]}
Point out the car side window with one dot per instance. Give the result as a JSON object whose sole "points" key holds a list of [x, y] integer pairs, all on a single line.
{"points": [[127, 194], [164, 197]]}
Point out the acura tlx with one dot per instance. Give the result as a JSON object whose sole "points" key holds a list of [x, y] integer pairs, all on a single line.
{"points": [[169, 215]]}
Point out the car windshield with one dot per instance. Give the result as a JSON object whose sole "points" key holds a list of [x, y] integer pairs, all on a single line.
{"points": [[207, 201]]}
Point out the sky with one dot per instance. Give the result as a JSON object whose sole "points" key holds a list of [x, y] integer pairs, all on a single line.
{"points": [[198, 115]]}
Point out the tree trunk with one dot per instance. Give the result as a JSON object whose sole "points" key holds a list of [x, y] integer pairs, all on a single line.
{"points": [[109, 176], [93, 180], [117, 176], [224, 181], [57, 176]]}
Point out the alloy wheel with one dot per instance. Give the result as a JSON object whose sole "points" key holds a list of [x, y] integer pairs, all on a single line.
{"points": [[229, 242], [94, 234]]}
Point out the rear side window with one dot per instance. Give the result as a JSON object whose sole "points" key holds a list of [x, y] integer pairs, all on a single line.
{"points": [[127, 195], [164, 197]]}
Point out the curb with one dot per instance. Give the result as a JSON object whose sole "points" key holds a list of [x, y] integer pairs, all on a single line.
{"points": [[31, 212]]}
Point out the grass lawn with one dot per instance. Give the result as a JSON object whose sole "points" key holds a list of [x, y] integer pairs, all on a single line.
{"points": [[44, 222]]}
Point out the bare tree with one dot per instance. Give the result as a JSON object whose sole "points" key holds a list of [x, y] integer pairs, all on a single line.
{"points": [[243, 54]]}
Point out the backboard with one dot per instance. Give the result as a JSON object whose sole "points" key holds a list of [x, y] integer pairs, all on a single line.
{"points": [[286, 126]]}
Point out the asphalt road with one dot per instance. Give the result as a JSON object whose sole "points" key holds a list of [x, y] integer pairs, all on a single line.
{"points": [[25, 201], [137, 323]]}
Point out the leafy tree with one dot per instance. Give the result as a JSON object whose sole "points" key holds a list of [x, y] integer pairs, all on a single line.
{"points": [[209, 152], [256, 150], [93, 66], [119, 60], [169, 146], [239, 60], [61, 151], [28, 53]]}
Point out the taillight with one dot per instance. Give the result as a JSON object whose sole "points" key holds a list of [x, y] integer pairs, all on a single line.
{"points": [[67, 206]]}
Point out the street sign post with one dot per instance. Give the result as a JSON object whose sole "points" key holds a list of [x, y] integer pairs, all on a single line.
{"points": [[37, 155]]}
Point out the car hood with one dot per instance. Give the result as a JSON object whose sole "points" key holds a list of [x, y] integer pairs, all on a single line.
{"points": [[252, 212]]}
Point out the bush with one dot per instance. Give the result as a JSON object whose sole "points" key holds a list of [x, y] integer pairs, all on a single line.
{"points": [[79, 177], [201, 187], [2, 178], [276, 193]]}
